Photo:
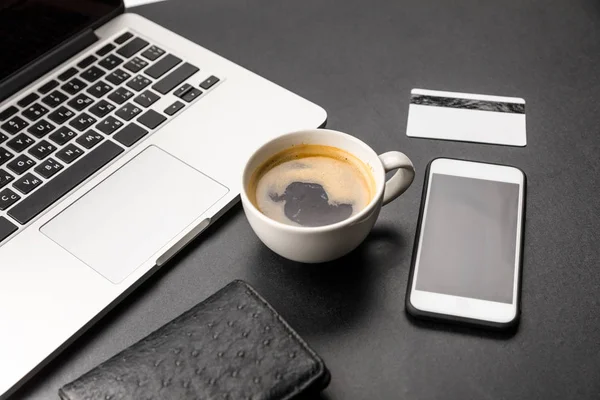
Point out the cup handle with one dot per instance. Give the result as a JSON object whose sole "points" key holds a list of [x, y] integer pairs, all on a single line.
{"points": [[403, 177]]}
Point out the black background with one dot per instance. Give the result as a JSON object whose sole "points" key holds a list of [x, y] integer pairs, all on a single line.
{"points": [[359, 60]]}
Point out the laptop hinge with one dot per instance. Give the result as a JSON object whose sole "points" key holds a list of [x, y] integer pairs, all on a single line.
{"points": [[47, 62]]}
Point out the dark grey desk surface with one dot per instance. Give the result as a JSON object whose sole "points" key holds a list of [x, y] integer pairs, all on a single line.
{"points": [[359, 59]]}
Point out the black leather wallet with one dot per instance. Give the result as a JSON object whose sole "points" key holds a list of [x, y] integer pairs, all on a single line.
{"points": [[233, 345]]}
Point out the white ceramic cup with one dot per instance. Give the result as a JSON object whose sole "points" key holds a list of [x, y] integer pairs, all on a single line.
{"points": [[328, 242]]}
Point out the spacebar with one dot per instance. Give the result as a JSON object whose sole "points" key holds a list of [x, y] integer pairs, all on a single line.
{"points": [[46, 195]]}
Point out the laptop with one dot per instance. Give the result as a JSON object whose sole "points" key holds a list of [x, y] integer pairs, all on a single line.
{"points": [[120, 142]]}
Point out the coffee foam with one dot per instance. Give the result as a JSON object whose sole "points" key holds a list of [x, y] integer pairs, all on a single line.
{"points": [[345, 179]]}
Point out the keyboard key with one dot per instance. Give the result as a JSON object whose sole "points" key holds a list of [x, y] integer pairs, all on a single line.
{"points": [[67, 74], [41, 128], [186, 87], [5, 178], [27, 183], [163, 66], [169, 82], [146, 99], [27, 100], [80, 102], [3, 137], [153, 52], [90, 139], [109, 125], [35, 112], [42, 150], [151, 119], [53, 190], [209, 82], [136, 64], [8, 112], [48, 86], [20, 164], [5, 155], [123, 38], [101, 108], [191, 95], [138, 83], [20, 142], [118, 76], [173, 108], [14, 125], [92, 74], [54, 99], [61, 115], [130, 134], [69, 153], [6, 228], [128, 111], [48, 168], [132, 47], [86, 62], [62, 135], [74, 86], [7, 198], [82, 122], [105, 50], [120, 96], [99, 89], [111, 62]]}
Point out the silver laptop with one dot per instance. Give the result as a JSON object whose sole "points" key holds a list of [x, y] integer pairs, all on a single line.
{"points": [[120, 142]]}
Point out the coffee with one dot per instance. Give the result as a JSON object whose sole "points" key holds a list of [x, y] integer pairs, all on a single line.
{"points": [[311, 185]]}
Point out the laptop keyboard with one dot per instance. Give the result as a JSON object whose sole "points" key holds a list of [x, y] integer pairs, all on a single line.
{"points": [[54, 138]]}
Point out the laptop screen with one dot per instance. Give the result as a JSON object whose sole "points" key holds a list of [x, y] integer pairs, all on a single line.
{"points": [[30, 28]]}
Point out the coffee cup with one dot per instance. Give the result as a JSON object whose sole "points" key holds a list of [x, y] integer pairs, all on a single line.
{"points": [[293, 154]]}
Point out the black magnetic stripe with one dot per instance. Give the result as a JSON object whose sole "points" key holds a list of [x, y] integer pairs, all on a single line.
{"points": [[469, 104]]}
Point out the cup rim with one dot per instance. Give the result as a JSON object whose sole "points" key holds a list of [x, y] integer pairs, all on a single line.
{"points": [[324, 228]]}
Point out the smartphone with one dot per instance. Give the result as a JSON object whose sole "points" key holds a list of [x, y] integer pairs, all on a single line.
{"points": [[467, 256]]}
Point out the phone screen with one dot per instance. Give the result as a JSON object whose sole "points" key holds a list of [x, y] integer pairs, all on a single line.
{"points": [[469, 238]]}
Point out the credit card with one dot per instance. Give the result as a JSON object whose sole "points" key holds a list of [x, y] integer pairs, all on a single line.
{"points": [[466, 117]]}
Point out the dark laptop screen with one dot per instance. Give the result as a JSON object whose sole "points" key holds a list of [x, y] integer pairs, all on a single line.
{"points": [[30, 28]]}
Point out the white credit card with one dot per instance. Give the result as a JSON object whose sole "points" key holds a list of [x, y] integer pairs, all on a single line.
{"points": [[135, 3], [465, 117]]}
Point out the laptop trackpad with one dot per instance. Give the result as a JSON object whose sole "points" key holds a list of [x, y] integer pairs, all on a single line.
{"points": [[128, 217]]}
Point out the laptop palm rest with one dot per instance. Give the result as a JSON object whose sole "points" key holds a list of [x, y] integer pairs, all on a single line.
{"points": [[128, 217]]}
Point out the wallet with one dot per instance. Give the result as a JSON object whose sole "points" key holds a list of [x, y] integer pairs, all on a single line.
{"points": [[233, 345]]}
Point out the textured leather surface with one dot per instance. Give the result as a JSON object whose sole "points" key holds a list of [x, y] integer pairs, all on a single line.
{"points": [[231, 346]]}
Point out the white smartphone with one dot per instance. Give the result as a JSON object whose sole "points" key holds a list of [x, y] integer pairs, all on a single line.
{"points": [[468, 248]]}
